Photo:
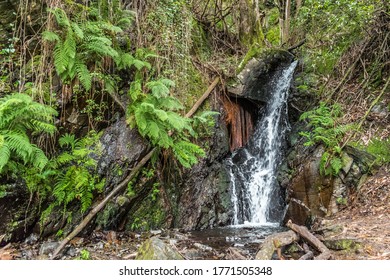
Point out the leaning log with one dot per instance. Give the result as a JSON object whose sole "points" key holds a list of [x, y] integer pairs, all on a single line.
{"points": [[312, 240], [275, 242]]}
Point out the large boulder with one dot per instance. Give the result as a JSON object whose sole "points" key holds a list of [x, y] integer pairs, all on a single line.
{"points": [[122, 149]]}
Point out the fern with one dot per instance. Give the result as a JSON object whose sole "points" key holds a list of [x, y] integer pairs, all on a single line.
{"points": [[325, 130], [74, 173], [187, 153], [156, 117], [20, 117]]}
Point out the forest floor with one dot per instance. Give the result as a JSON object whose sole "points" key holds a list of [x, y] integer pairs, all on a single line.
{"points": [[367, 220]]}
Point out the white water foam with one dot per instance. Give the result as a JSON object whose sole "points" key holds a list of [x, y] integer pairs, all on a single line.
{"points": [[259, 169]]}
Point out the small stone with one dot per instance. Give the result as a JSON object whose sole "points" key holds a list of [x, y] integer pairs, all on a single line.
{"points": [[156, 232], [203, 247], [48, 248], [347, 162], [72, 252], [32, 239]]}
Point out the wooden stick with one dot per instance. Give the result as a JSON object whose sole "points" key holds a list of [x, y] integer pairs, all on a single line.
{"points": [[310, 238], [202, 99], [297, 45], [123, 184]]}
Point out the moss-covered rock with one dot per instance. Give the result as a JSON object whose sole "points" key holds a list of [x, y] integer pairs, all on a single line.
{"points": [[156, 249], [342, 244], [255, 81]]}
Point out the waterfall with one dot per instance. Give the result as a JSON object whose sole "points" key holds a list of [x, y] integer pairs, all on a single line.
{"points": [[255, 192]]}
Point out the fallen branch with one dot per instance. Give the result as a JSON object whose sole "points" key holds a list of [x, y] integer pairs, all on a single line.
{"points": [[124, 183], [308, 256], [297, 45], [202, 99], [312, 240]]}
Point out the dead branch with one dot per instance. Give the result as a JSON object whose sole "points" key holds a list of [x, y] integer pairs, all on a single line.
{"points": [[314, 241], [297, 45], [124, 183], [202, 99], [236, 255]]}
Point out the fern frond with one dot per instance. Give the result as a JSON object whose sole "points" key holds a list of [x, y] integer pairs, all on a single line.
{"points": [[67, 140], [60, 58], [110, 27], [38, 158], [69, 47], [177, 122], [158, 88], [64, 158], [83, 75], [61, 17], [5, 155], [50, 36], [170, 103], [19, 144], [77, 30], [187, 153], [139, 64]]}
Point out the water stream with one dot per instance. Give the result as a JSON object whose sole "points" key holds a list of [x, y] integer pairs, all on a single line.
{"points": [[255, 192]]}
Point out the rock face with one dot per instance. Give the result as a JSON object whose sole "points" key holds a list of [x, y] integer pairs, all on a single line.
{"points": [[122, 149], [204, 199], [255, 80], [156, 249], [311, 194]]}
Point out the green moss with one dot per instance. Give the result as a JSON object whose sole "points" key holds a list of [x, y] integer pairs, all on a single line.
{"points": [[342, 244], [104, 220], [380, 149], [150, 215], [254, 51]]}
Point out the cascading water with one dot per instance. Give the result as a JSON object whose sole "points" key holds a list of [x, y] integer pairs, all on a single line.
{"points": [[255, 192]]}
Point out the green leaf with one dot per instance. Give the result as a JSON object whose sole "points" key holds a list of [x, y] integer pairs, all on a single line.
{"points": [[161, 114], [50, 36]]}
